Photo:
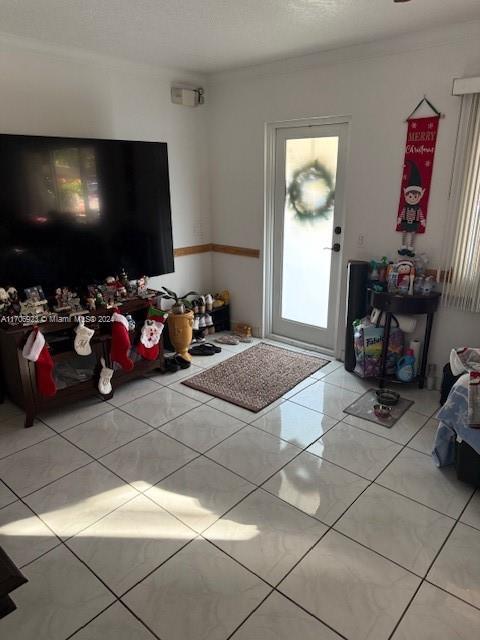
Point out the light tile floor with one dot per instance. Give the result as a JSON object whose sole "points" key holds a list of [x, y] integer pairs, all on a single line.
{"points": [[169, 514]]}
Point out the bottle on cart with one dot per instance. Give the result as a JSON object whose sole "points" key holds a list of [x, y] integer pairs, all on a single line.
{"points": [[406, 367]]}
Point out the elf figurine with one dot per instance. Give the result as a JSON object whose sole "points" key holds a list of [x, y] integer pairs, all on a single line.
{"points": [[411, 218]]}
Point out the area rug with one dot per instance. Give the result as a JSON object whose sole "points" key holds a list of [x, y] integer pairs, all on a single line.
{"points": [[256, 377], [363, 408]]}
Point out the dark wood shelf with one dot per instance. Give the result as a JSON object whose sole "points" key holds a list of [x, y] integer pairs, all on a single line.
{"points": [[18, 377], [130, 305]]}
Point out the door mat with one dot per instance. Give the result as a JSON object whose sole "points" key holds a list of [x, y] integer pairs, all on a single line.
{"points": [[363, 408], [256, 377]]}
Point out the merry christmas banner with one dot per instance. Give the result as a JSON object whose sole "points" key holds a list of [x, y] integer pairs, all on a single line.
{"points": [[417, 174]]}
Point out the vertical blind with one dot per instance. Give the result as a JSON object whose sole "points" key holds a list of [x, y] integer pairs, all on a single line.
{"points": [[462, 249]]}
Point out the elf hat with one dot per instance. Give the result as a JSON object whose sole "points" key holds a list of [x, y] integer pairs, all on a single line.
{"points": [[415, 179]]}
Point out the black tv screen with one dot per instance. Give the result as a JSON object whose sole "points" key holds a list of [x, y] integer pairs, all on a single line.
{"points": [[73, 211]]}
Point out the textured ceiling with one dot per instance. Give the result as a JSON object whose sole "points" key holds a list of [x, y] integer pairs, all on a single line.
{"points": [[212, 35]]}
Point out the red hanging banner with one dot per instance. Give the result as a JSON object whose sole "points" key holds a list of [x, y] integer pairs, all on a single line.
{"points": [[417, 174]]}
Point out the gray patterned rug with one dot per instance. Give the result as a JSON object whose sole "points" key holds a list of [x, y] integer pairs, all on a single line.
{"points": [[256, 377]]}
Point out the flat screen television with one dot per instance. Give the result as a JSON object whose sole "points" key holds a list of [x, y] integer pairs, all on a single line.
{"points": [[73, 211]]}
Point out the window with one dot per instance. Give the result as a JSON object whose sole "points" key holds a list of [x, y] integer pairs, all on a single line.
{"points": [[462, 289]]}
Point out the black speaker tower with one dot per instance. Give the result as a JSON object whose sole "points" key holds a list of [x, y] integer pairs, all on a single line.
{"points": [[357, 305]]}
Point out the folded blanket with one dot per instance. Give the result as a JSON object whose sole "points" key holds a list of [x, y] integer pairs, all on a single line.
{"points": [[453, 425], [467, 360]]}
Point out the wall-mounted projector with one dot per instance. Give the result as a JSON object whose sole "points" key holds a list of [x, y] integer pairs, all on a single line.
{"points": [[187, 96]]}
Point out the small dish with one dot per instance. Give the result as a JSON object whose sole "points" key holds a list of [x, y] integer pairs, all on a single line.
{"points": [[388, 397], [382, 411]]}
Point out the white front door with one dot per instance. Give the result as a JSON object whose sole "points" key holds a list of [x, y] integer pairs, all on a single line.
{"points": [[308, 232]]}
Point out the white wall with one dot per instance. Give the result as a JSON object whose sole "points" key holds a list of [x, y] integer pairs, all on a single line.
{"points": [[49, 91], [377, 85]]}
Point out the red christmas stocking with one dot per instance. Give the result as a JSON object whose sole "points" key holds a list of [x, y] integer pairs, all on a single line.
{"points": [[36, 350], [148, 347], [120, 342]]}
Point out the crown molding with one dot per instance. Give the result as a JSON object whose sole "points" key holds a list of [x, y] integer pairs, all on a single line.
{"points": [[419, 40], [10, 42]]}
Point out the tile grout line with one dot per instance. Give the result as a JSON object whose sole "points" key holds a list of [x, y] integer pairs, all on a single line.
{"points": [[202, 454], [422, 504], [116, 601], [260, 487], [435, 556], [103, 403], [196, 536], [139, 493], [452, 595], [230, 635], [300, 606], [424, 579], [327, 530], [331, 527], [31, 445], [116, 598], [120, 478], [403, 444], [43, 486], [275, 588], [256, 416], [35, 514], [362, 429], [112, 408], [63, 542]]}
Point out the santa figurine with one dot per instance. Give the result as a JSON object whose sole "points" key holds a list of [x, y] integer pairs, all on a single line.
{"points": [[412, 218], [405, 271]]}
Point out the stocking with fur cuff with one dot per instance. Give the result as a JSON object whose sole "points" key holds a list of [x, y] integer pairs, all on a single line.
{"points": [[148, 347], [120, 342], [36, 350]]}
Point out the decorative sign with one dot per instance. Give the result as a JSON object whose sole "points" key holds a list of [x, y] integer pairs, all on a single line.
{"points": [[417, 174]]}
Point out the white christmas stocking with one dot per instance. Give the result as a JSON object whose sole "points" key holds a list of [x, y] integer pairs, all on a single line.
{"points": [[82, 338], [105, 380]]}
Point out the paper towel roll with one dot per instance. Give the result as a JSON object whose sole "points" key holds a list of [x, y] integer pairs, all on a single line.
{"points": [[415, 346]]}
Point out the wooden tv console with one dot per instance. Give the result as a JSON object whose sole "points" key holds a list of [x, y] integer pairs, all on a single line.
{"points": [[17, 375]]}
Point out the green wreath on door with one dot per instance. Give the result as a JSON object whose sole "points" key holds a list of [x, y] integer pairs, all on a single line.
{"points": [[314, 171]]}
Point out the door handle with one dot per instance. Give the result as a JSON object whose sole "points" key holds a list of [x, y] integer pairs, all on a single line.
{"points": [[336, 247]]}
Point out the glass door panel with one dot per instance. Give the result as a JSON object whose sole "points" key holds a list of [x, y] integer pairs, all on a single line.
{"points": [[309, 186], [310, 175]]}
